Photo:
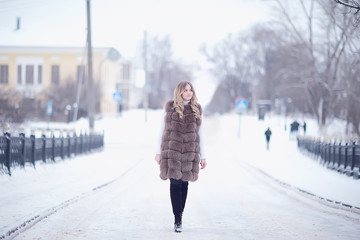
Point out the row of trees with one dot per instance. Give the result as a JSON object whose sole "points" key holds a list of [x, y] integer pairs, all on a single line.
{"points": [[307, 58], [164, 71], [16, 108]]}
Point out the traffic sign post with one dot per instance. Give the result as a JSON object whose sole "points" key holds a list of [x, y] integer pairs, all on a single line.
{"points": [[241, 106], [49, 108], [117, 96], [48, 111]]}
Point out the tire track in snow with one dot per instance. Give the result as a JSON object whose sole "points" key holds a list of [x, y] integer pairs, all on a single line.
{"points": [[26, 225], [294, 192]]}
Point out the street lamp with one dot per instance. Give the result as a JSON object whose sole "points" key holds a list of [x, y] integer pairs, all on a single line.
{"points": [[67, 112]]}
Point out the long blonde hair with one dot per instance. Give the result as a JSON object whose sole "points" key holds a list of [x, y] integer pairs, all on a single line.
{"points": [[179, 101]]}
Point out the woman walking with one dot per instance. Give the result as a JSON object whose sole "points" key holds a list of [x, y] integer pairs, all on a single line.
{"points": [[180, 154]]}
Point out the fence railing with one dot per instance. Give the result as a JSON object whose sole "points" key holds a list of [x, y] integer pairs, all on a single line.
{"points": [[20, 150], [341, 156]]}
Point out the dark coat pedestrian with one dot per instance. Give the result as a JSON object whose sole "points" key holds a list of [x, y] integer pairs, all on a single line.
{"points": [[267, 136], [294, 128]]}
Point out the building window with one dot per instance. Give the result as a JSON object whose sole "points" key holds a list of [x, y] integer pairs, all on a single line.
{"points": [[39, 74], [19, 79], [4, 74], [81, 73], [55, 74], [29, 74]]}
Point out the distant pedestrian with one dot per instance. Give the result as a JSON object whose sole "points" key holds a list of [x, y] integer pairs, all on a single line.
{"points": [[180, 153], [304, 127], [294, 128], [267, 136]]}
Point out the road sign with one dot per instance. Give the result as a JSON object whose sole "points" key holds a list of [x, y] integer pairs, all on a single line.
{"points": [[117, 96], [241, 105], [49, 108]]}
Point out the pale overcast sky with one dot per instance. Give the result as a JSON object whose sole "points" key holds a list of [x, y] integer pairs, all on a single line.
{"points": [[121, 23]]}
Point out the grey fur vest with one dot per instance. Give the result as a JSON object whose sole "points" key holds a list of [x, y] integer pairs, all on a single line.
{"points": [[180, 147]]}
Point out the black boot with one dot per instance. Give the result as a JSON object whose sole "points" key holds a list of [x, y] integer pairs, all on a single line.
{"points": [[178, 227]]}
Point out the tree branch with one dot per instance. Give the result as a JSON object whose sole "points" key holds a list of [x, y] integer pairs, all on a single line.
{"points": [[355, 6]]}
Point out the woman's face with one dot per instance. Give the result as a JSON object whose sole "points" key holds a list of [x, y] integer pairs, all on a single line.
{"points": [[188, 93]]}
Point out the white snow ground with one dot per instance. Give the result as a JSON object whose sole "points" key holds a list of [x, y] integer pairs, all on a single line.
{"points": [[117, 194]]}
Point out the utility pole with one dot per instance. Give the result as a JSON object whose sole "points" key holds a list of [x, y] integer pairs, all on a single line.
{"points": [[90, 95], [17, 24], [146, 102]]}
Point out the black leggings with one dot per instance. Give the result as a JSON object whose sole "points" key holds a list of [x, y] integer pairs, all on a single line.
{"points": [[178, 194]]}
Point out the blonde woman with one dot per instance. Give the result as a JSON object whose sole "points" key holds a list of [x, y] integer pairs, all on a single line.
{"points": [[180, 154]]}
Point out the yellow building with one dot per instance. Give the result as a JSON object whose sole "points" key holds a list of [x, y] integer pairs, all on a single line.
{"points": [[31, 72]]}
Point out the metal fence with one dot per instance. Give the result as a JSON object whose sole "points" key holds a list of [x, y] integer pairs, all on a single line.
{"points": [[22, 150], [341, 156]]}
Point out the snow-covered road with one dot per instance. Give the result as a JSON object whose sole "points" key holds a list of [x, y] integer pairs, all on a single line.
{"points": [[117, 193], [247, 206]]}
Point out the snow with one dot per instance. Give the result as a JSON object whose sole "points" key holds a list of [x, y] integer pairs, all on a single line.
{"points": [[117, 184]]}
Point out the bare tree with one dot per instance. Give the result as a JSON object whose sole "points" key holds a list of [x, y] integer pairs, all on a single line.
{"points": [[232, 70], [164, 72], [10, 109], [258, 64], [351, 99], [350, 3], [309, 56], [65, 95], [324, 39]]}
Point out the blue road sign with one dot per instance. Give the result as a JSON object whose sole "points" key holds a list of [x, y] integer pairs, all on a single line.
{"points": [[241, 105], [117, 96], [49, 108]]}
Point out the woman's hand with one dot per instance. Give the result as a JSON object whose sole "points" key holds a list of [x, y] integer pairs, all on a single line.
{"points": [[157, 158], [203, 163]]}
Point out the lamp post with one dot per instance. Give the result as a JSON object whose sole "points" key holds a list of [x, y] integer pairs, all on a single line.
{"points": [[68, 112], [146, 102], [90, 97]]}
